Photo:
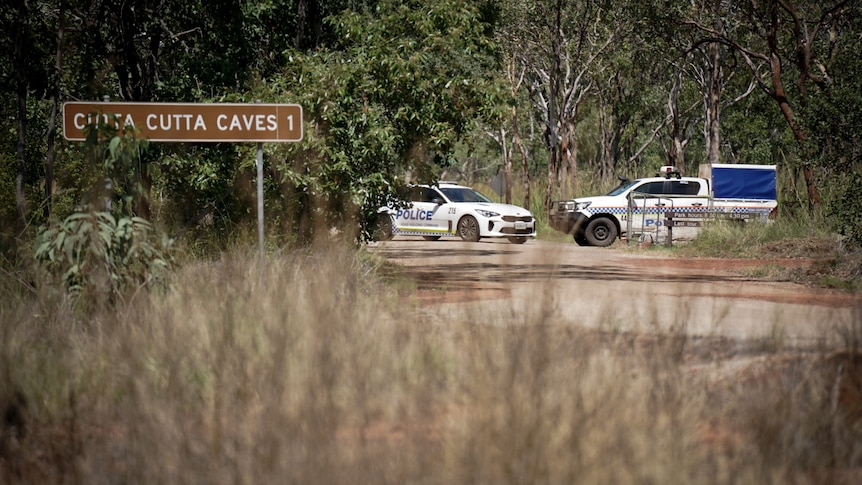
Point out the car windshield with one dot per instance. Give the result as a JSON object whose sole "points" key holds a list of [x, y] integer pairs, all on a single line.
{"points": [[627, 184], [463, 194]]}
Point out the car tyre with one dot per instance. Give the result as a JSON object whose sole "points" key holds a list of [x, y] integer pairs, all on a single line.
{"points": [[517, 239], [601, 232], [383, 231], [468, 228], [580, 239]]}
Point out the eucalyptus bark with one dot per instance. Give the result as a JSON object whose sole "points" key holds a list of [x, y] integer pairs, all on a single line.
{"points": [[779, 95], [606, 139], [52, 120], [525, 167], [569, 161], [712, 126], [553, 99], [22, 33], [507, 173], [676, 153]]}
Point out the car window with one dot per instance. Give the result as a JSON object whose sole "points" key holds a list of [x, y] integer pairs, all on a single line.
{"points": [[464, 194], [651, 188], [670, 187], [423, 194], [622, 187], [417, 194], [685, 187]]}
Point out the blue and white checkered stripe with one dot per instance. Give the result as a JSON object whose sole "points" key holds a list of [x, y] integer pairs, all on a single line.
{"points": [[654, 210], [419, 232]]}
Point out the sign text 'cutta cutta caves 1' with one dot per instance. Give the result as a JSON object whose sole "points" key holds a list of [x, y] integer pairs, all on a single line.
{"points": [[190, 122]]}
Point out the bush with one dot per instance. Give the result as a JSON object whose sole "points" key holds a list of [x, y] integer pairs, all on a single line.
{"points": [[98, 250], [844, 207], [107, 253]]}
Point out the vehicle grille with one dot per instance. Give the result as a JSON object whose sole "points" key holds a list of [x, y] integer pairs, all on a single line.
{"points": [[518, 218], [512, 230]]}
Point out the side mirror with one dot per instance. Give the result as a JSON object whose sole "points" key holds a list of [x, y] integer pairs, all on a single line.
{"points": [[437, 200]]}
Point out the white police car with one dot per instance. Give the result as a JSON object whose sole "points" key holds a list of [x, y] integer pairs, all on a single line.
{"points": [[448, 209]]}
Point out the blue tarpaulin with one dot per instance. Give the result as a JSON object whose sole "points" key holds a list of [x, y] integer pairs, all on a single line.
{"points": [[734, 181]]}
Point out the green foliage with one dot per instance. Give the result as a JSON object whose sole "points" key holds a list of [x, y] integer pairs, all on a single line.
{"points": [[754, 132], [96, 250], [109, 252], [832, 118], [389, 89], [843, 206], [402, 86]]}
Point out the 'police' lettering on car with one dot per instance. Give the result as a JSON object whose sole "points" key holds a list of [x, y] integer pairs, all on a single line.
{"points": [[414, 215]]}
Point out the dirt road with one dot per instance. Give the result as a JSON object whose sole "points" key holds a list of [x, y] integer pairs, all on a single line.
{"points": [[497, 282]]}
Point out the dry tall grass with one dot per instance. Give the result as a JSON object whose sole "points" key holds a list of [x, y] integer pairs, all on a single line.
{"points": [[315, 371]]}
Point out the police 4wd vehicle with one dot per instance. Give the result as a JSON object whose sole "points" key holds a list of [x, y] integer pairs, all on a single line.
{"points": [[651, 205], [448, 209]]}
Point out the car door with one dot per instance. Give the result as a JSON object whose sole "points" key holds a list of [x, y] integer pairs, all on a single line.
{"points": [[439, 209], [420, 217], [690, 196], [648, 205]]}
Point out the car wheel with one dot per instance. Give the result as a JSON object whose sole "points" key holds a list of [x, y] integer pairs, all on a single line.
{"points": [[580, 239], [430, 238], [601, 232], [517, 239], [383, 230], [468, 228]]}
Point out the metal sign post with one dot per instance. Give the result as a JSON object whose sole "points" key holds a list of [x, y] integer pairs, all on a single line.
{"points": [[260, 204]]}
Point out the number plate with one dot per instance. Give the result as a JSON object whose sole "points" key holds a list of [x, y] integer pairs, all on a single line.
{"points": [[520, 225]]}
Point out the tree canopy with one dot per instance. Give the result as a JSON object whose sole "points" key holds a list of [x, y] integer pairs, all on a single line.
{"points": [[400, 90]]}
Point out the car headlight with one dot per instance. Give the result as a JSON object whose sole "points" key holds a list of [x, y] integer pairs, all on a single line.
{"points": [[582, 205], [486, 213]]}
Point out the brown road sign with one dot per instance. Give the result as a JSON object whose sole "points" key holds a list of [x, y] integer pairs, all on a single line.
{"points": [[191, 122]]}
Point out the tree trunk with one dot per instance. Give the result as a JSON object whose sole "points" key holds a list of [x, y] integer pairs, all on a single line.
{"points": [[301, 21], [569, 162], [564, 164], [507, 173], [606, 130], [142, 208], [573, 167], [516, 140], [712, 128], [553, 99], [136, 71], [506, 159], [675, 155], [52, 120], [21, 39], [780, 97], [308, 24], [552, 175]]}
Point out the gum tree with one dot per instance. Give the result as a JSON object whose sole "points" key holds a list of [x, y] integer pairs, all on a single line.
{"points": [[787, 43], [560, 43], [404, 82]]}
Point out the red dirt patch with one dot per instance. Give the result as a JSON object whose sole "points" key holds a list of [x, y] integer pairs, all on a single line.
{"points": [[719, 264], [830, 299]]}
